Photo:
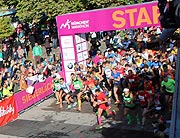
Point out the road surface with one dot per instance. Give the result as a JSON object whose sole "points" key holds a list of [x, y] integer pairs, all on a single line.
{"points": [[46, 120]]}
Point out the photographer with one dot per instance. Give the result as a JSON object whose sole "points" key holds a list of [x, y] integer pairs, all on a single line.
{"points": [[169, 17]]}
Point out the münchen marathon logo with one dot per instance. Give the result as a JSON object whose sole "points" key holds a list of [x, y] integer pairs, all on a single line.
{"points": [[75, 24]]}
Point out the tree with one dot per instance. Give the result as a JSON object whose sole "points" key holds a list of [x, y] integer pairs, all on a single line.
{"points": [[6, 29], [8, 3], [96, 4], [29, 10]]}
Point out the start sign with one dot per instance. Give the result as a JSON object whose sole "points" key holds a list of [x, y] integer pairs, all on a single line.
{"points": [[124, 17]]}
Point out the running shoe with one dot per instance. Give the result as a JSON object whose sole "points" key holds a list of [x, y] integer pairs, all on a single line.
{"points": [[109, 94], [79, 110], [129, 122], [138, 122], [96, 113], [74, 104], [57, 102], [69, 106], [99, 127]]}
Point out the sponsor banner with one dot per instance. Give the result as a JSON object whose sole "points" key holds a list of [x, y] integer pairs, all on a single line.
{"points": [[125, 17], [8, 111], [41, 90]]}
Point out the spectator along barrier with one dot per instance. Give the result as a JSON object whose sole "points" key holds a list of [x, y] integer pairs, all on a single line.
{"points": [[41, 90], [10, 107]]}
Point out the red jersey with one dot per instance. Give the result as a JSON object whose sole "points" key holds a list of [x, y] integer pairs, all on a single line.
{"points": [[120, 70], [168, 73], [100, 98], [121, 53], [133, 80], [149, 87], [89, 83], [143, 98]]}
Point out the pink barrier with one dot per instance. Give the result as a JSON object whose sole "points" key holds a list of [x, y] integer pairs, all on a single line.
{"points": [[25, 100], [125, 17]]}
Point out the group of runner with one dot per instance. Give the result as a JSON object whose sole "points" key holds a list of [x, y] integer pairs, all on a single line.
{"points": [[139, 79]]}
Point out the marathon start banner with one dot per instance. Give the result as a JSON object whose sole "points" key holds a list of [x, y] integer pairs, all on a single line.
{"points": [[118, 18], [8, 111]]}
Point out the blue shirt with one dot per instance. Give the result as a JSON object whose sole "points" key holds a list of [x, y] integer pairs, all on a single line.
{"points": [[111, 55], [149, 63], [156, 64], [116, 76]]}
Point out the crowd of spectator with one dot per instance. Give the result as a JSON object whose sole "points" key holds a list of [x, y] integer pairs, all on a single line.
{"points": [[22, 61], [132, 72]]}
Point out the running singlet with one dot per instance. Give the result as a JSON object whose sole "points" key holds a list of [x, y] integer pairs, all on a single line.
{"points": [[133, 79], [128, 101], [64, 87], [57, 85], [115, 76], [89, 83], [148, 86], [107, 72], [120, 70], [169, 85], [143, 98], [77, 84], [100, 98]]}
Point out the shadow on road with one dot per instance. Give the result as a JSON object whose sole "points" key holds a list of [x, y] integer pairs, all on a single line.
{"points": [[118, 132], [49, 134]]}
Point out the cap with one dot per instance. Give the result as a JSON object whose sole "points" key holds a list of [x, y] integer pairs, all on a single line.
{"points": [[125, 90]]}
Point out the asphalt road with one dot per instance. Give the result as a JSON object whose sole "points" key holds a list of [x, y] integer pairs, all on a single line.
{"points": [[46, 120]]}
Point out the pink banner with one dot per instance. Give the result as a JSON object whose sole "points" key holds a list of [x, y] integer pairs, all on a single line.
{"points": [[25, 100], [125, 17]]}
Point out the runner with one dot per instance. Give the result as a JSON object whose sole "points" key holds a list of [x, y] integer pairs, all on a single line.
{"points": [[129, 105], [78, 86], [144, 102], [107, 75], [132, 81], [56, 87], [116, 83], [101, 101], [167, 87], [65, 93], [89, 87]]}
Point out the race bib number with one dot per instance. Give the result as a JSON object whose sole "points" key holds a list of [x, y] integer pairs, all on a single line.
{"points": [[98, 101], [141, 98], [150, 91], [66, 91], [57, 85], [131, 80], [77, 86]]}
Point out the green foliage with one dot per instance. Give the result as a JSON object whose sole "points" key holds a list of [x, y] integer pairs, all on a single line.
{"points": [[32, 10], [96, 4], [8, 3], [28, 10], [6, 29]]}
